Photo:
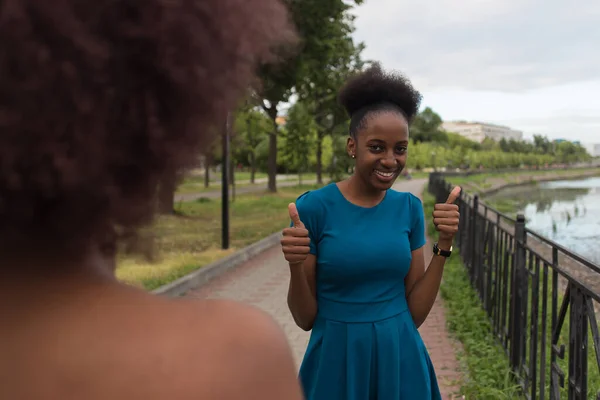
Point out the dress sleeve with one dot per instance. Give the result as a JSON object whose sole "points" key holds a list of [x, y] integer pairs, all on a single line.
{"points": [[310, 212], [417, 231]]}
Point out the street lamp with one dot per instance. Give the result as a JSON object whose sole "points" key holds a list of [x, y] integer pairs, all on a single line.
{"points": [[225, 185]]}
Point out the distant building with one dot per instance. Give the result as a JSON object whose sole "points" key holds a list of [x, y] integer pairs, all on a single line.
{"points": [[478, 131], [593, 149]]}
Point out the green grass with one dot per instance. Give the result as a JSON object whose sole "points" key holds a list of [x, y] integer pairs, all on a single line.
{"points": [[194, 183], [486, 371], [188, 241], [419, 174]]}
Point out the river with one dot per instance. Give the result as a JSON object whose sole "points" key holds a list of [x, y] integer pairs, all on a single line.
{"points": [[566, 211]]}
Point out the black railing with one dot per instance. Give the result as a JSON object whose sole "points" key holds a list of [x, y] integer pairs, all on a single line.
{"points": [[539, 296]]}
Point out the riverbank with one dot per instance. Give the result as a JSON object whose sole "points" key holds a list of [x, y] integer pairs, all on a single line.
{"points": [[491, 183], [485, 184], [542, 257]]}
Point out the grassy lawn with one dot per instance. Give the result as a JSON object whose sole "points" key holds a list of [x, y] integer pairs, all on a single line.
{"points": [[195, 183], [192, 239]]}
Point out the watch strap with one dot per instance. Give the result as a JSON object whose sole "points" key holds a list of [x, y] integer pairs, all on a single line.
{"points": [[439, 252]]}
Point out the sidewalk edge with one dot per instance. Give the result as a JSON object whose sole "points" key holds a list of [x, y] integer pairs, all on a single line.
{"points": [[202, 276]]}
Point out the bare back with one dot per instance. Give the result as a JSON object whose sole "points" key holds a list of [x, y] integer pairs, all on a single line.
{"points": [[114, 342]]}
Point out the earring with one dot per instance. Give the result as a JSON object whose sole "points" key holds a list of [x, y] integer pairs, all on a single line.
{"points": [[353, 156]]}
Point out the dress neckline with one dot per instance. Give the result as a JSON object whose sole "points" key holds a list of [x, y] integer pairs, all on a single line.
{"points": [[339, 192]]}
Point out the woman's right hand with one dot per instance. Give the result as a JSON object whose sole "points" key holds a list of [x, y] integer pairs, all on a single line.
{"points": [[295, 243]]}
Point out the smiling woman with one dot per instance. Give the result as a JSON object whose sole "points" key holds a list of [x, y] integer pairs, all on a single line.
{"points": [[366, 241], [381, 107]]}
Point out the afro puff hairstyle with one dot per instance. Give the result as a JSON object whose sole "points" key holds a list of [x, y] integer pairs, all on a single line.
{"points": [[374, 91], [99, 100]]}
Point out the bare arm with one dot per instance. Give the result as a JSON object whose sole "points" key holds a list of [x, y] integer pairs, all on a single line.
{"points": [[302, 299], [422, 285]]}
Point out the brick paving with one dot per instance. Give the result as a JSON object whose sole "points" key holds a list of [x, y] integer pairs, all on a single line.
{"points": [[263, 282]]}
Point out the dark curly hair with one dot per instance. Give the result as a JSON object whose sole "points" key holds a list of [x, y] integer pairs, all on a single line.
{"points": [[374, 91], [99, 100]]}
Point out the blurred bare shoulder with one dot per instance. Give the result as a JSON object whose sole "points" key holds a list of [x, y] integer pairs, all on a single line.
{"points": [[229, 350]]}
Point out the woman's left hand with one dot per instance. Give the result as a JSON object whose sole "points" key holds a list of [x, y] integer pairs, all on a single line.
{"points": [[446, 217]]}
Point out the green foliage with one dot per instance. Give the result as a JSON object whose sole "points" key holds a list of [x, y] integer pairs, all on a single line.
{"points": [[314, 139], [340, 162], [250, 130], [426, 127], [325, 28], [301, 132], [339, 58]]}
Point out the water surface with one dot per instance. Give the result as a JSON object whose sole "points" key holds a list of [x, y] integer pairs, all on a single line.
{"points": [[566, 211]]}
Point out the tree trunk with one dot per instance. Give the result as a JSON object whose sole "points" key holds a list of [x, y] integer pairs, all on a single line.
{"points": [[320, 158], [232, 178], [166, 194], [273, 161], [207, 163], [252, 167], [272, 164]]}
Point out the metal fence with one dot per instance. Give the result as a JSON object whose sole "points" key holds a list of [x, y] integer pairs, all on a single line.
{"points": [[539, 296]]}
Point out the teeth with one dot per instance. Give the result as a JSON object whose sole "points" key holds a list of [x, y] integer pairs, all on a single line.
{"points": [[386, 174]]}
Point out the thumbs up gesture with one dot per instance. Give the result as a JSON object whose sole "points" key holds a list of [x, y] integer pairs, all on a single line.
{"points": [[446, 217], [295, 242]]}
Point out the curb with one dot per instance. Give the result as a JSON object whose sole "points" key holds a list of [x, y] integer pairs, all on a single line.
{"points": [[205, 274]]}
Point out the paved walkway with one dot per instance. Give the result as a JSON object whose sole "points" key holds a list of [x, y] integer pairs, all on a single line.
{"points": [[263, 282]]}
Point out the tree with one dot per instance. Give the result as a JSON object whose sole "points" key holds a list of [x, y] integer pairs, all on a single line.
{"points": [[323, 76], [252, 127], [542, 145], [313, 21], [341, 163], [301, 131], [426, 127]]}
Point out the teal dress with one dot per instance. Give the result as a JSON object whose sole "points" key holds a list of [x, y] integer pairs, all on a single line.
{"points": [[364, 344]]}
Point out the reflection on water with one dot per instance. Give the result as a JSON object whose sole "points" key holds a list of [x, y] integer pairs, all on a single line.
{"points": [[567, 212]]}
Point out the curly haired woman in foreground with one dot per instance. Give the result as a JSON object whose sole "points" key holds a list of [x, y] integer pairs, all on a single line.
{"points": [[355, 250], [98, 101]]}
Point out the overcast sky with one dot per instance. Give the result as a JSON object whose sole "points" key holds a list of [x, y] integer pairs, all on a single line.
{"points": [[530, 64]]}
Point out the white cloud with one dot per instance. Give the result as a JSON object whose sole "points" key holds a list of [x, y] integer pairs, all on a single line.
{"points": [[508, 45], [530, 63]]}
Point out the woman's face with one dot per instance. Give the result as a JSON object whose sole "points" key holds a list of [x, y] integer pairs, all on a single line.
{"points": [[380, 149]]}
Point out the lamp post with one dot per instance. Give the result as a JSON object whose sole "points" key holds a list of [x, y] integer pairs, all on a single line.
{"points": [[225, 185]]}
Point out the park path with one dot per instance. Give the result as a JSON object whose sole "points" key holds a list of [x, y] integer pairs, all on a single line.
{"points": [[263, 282]]}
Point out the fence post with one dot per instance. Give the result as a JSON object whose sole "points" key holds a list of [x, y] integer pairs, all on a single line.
{"points": [[461, 225], [518, 295], [578, 343], [434, 178], [473, 236]]}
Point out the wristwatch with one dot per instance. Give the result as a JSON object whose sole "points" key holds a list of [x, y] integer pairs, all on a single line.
{"points": [[439, 252]]}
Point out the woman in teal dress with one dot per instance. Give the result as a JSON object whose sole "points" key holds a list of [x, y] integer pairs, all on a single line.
{"points": [[355, 249]]}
